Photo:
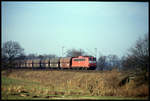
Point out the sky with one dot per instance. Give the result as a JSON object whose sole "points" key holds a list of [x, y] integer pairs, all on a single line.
{"points": [[46, 27]]}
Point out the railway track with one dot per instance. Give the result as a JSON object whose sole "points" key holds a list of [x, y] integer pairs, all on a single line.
{"points": [[66, 70]]}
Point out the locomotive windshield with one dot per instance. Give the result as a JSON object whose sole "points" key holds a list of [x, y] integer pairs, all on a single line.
{"points": [[92, 60]]}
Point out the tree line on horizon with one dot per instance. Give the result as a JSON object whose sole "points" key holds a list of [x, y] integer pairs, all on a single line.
{"points": [[137, 57]]}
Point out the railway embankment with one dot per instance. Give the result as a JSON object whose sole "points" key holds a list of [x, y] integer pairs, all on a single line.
{"points": [[53, 82]]}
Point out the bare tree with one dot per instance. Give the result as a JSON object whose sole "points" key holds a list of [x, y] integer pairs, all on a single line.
{"points": [[108, 62], [10, 51], [138, 56], [46, 56], [113, 61], [40, 56], [101, 63], [75, 53], [31, 56]]}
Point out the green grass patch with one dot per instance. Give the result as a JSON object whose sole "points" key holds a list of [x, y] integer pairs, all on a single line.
{"points": [[11, 81]]}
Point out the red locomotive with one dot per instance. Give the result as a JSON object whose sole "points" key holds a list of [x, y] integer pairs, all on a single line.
{"points": [[85, 62]]}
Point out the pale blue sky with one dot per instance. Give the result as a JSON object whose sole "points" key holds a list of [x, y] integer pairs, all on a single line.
{"points": [[45, 27]]}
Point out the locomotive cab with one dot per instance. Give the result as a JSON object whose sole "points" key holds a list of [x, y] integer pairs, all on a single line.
{"points": [[92, 63]]}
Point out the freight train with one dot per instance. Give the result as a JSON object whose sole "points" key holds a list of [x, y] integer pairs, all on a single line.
{"points": [[80, 62]]}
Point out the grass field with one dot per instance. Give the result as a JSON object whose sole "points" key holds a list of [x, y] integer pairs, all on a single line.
{"points": [[28, 84]]}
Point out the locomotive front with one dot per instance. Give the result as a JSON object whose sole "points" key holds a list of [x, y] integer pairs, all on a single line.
{"points": [[84, 62], [92, 63]]}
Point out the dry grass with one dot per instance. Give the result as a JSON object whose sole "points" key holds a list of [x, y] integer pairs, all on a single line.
{"points": [[78, 83]]}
